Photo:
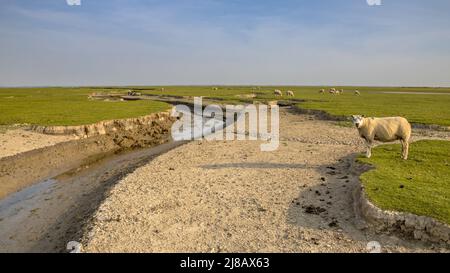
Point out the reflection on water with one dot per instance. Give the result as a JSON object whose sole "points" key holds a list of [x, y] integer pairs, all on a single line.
{"points": [[26, 197]]}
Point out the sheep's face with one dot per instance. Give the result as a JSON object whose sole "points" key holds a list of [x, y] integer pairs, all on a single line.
{"points": [[358, 121]]}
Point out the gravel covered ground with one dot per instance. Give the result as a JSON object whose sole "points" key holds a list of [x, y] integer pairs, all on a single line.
{"points": [[231, 197]]}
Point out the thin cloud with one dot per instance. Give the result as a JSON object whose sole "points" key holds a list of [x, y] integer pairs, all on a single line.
{"points": [[225, 42]]}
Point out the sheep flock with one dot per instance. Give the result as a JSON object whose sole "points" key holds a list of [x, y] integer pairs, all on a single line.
{"points": [[334, 91]]}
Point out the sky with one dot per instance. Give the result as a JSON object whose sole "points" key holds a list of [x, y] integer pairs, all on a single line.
{"points": [[234, 42]]}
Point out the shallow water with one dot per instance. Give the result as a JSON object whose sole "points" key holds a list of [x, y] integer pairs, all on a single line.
{"points": [[46, 215]]}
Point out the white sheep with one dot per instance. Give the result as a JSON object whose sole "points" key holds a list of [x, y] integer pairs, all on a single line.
{"points": [[290, 93], [332, 91], [357, 93], [385, 130], [321, 91], [278, 93]]}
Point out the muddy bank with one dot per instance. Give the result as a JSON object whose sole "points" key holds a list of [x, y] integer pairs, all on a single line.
{"points": [[409, 225], [103, 127], [19, 171], [319, 114]]}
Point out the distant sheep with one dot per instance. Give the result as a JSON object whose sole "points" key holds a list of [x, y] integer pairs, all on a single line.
{"points": [[332, 91], [384, 130], [357, 93], [322, 91], [215, 88], [278, 93], [290, 93], [133, 93], [162, 89]]}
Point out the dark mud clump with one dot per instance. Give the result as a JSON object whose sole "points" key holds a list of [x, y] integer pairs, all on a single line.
{"points": [[310, 209]]}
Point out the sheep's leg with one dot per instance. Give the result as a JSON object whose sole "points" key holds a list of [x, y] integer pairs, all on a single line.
{"points": [[405, 148], [369, 149]]}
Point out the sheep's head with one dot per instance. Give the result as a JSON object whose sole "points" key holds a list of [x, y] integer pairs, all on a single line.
{"points": [[358, 121]]}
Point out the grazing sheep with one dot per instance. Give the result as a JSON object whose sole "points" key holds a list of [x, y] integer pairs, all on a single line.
{"points": [[278, 93], [337, 92], [357, 93], [133, 93], [332, 91], [384, 130], [342, 91], [321, 91], [215, 88], [290, 93]]}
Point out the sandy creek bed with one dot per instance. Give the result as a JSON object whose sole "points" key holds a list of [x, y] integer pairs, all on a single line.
{"points": [[231, 197], [207, 197]]}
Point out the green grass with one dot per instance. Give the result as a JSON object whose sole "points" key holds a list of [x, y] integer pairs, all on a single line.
{"points": [[424, 109], [66, 106], [70, 106], [420, 185]]}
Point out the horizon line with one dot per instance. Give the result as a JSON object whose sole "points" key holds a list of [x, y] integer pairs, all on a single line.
{"points": [[205, 85]]}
